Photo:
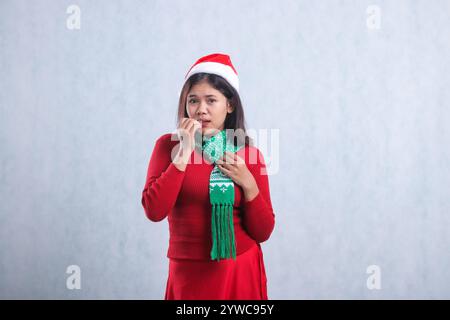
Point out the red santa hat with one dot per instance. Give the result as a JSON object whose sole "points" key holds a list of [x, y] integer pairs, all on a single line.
{"points": [[216, 63]]}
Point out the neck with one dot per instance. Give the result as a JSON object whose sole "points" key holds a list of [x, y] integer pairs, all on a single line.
{"points": [[210, 133]]}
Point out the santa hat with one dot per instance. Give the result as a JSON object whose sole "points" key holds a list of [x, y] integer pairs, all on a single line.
{"points": [[216, 63]]}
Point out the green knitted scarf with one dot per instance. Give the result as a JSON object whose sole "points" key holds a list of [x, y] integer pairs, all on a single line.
{"points": [[221, 196]]}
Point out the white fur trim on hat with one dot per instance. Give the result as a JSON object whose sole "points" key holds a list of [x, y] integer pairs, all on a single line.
{"points": [[216, 68]]}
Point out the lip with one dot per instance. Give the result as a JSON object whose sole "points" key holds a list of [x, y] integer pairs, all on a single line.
{"points": [[204, 122]]}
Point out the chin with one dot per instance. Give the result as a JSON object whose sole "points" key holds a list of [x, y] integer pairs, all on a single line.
{"points": [[209, 131]]}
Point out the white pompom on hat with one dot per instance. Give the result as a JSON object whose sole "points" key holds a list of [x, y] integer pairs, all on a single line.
{"points": [[216, 63]]}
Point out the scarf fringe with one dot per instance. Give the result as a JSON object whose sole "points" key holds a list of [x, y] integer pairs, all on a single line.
{"points": [[222, 227]]}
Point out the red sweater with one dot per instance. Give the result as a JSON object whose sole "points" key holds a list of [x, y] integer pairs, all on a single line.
{"points": [[183, 196]]}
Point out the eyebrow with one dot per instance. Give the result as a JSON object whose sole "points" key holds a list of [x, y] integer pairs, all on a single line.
{"points": [[208, 95]]}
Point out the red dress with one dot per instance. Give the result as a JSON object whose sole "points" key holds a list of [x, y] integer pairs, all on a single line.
{"points": [[183, 197], [240, 279]]}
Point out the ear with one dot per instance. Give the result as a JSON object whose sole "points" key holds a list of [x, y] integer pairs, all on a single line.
{"points": [[230, 109]]}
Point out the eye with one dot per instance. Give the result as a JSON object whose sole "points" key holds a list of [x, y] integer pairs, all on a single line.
{"points": [[192, 101], [212, 100]]}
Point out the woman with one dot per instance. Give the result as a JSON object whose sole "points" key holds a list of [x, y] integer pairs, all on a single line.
{"points": [[219, 209]]}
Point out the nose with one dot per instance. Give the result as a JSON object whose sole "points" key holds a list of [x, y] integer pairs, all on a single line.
{"points": [[202, 109]]}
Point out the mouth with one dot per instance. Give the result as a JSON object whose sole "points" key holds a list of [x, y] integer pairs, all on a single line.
{"points": [[204, 122]]}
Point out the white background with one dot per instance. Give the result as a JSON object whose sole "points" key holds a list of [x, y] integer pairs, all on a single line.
{"points": [[364, 151]]}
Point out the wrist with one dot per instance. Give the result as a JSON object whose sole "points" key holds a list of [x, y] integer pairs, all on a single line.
{"points": [[251, 190], [181, 159], [249, 185], [184, 154]]}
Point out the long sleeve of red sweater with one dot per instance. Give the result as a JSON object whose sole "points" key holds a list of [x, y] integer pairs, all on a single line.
{"points": [[183, 197], [259, 218], [163, 181]]}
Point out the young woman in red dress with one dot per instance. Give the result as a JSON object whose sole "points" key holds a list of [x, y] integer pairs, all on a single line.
{"points": [[178, 187]]}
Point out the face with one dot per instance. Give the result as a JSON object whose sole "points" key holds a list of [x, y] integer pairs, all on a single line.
{"points": [[208, 105]]}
